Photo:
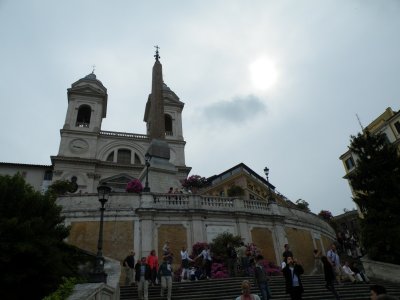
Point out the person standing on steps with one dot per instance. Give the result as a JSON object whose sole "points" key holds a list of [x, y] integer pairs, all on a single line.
{"points": [[244, 259], [142, 278], [185, 275], [206, 262], [329, 276], [292, 272], [165, 273], [129, 267], [246, 292], [334, 259], [261, 278], [167, 252], [152, 261]]}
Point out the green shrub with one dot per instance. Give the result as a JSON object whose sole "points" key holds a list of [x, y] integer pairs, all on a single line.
{"points": [[64, 290]]}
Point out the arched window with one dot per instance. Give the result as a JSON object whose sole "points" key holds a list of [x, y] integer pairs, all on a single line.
{"points": [[110, 157], [83, 119], [168, 124], [124, 156]]}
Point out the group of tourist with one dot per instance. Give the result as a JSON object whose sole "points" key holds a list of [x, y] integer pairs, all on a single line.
{"points": [[148, 271]]}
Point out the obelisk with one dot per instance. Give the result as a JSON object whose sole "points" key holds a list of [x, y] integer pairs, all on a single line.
{"points": [[158, 146]]}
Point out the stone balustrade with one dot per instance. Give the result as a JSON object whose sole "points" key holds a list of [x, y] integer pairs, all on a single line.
{"points": [[124, 134], [126, 204]]}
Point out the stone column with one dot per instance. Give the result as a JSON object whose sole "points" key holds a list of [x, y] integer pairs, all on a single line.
{"points": [[243, 229], [280, 239], [147, 232], [197, 230]]}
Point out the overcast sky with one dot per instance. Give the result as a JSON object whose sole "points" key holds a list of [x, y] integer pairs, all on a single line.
{"points": [[266, 83]]}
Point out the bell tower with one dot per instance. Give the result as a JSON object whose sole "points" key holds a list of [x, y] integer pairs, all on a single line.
{"points": [[87, 105]]}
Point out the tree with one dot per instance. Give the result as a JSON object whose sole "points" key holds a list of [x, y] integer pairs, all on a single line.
{"points": [[195, 181], [376, 183], [219, 243], [61, 187], [326, 215], [33, 255], [303, 205]]}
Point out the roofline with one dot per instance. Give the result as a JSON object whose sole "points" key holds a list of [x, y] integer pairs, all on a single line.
{"points": [[248, 169], [25, 165]]}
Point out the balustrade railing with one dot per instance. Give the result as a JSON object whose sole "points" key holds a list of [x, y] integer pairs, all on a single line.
{"points": [[218, 202], [124, 134], [171, 200], [189, 201], [255, 205]]}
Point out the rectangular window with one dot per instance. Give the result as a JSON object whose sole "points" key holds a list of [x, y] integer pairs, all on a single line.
{"points": [[349, 163], [48, 175]]}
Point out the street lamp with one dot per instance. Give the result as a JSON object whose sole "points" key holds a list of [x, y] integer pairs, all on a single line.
{"points": [[146, 187], [99, 275], [271, 199]]}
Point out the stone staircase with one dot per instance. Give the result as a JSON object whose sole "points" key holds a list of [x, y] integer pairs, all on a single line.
{"points": [[229, 289]]}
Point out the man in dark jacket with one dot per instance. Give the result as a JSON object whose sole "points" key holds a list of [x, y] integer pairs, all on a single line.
{"points": [[142, 278], [292, 272], [262, 278], [129, 265]]}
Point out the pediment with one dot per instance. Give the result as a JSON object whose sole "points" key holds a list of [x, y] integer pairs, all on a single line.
{"points": [[117, 183], [117, 179]]}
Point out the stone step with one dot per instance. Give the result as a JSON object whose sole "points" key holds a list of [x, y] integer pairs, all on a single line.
{"points": [[230, 288]]}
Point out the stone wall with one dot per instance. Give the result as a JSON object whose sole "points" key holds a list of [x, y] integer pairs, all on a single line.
{"points": [[117, 237], [176, 235], [302, 246], [144, 222], [262, 238]]}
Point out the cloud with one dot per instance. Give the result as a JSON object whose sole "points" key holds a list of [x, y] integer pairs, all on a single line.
{"points": [[239, 109]]}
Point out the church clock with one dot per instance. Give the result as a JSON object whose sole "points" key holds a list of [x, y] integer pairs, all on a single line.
{"points": [[79, 146]]}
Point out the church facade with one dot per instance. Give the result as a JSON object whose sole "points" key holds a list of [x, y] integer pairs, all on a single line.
{"points": [[90, 156]]}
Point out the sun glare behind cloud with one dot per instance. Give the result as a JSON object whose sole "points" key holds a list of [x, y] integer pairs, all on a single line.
{"points": [[263, 73]]}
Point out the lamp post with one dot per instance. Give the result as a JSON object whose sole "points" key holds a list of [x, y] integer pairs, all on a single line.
{"points": [[271, 199], [99, 275], [146, 187]]}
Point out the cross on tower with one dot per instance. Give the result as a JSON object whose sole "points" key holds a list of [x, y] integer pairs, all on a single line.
{"points": [[94, 67], [156, 55]]}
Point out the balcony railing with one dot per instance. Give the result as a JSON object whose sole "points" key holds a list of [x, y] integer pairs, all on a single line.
{"points": [[187, 201]]}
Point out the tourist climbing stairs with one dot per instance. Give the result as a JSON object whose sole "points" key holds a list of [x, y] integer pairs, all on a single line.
{"points": [[229, 289]]}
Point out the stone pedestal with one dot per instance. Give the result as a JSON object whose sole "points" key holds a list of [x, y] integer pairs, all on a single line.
{"points": [[162, 174]]}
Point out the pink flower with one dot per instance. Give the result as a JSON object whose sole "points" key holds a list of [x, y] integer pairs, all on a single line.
{"points": [[134, 186]]}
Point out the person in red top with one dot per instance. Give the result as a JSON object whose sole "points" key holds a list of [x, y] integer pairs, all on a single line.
{"points": [[152, 261]]}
